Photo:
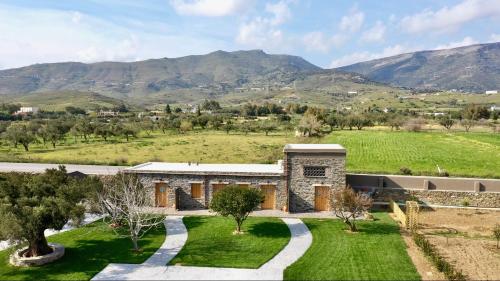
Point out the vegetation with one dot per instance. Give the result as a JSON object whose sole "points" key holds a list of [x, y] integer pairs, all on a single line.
{"points": [[350, 205], [496, 233], [376, 252], [210, 242], [237, 202], [87, 251], [441, 264], [123, 198], [30, 204]]}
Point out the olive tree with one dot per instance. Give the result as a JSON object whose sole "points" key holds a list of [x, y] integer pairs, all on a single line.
{"points": [[349, 205], [237, 202], [30, 204]]}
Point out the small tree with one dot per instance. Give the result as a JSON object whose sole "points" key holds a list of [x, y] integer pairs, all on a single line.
{"points": [[236, 201], [29, 204], [18, 133], [124, 200], [446, 122], [348, 205], [496, 233], [186, 126], [268, 126], [309, 125]]}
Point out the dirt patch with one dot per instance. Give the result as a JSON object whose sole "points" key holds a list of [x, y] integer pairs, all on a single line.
{"points": [[422, 264], [477, 258], [464, 238], [471, 222]]}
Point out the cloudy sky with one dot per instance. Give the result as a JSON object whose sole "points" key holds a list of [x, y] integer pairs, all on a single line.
{"points": [[329, 33]]}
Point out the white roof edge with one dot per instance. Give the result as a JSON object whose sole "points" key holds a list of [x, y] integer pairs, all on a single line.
{"points": [[314, 148], [185, 168]]}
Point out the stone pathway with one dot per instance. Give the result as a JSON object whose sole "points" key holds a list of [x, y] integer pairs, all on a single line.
{"points": [[155, 267]]}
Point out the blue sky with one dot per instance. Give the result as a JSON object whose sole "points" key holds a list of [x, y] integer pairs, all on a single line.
{"points": [[328, 33]]}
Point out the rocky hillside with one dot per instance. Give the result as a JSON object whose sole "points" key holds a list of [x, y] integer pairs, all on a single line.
{"points": [[473, 68]]}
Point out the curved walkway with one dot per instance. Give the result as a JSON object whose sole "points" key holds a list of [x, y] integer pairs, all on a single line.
{"points": [[155, 267]]}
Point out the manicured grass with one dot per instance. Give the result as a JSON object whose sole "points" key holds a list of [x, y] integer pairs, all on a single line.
{"points": [[368, 151], [211, 242], [461, 154], [376, 252], [87, 251]]}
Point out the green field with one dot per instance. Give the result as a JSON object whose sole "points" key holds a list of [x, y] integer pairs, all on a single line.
{"points": [[211, 242], [471, 154], [87, 251], [376, 252]]}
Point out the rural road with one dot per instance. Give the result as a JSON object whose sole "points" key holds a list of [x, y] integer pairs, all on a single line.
{"points": [[39, 168]]}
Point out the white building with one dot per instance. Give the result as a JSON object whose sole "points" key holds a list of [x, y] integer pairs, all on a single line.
{"points": [[28, 110], [492, 92]]}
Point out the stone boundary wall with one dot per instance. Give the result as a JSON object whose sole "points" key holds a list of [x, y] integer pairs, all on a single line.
{"points": [[431, 190]]}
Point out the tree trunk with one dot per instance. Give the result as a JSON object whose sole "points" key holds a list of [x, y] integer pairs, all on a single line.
{"points": [[38, 246], [25, 147], [134, 242], [351, 224], [54, 144]]}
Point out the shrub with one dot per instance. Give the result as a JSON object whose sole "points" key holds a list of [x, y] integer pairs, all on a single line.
{"points": [[465, 202], [405, 171], [415, 125], [496, 233], [236, 201], [439, 262]]}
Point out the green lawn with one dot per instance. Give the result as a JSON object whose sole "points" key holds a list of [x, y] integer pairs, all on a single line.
{"points": [[376, 252], [211, 242], [461, 154], [88, 250], [368, 151]]}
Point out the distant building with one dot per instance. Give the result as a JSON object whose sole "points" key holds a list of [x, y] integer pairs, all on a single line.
{"points": [[494, 108], [27, 110], [107, 113], [491, 92], [352, 92]]}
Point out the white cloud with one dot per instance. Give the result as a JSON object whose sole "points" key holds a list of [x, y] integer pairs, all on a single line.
{"points": [[450, 18], [353, 21], [495, 37], [374, 34], [318, 41], [265, 32], [209, 8], [366, 56], [464, 42], [41, 36]]}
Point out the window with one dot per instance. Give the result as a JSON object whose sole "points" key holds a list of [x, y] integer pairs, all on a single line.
{"points": [[217, 186], [196, 190], [314, 171]]}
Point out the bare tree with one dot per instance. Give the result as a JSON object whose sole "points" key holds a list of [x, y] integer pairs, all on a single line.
{"points": [[124, 200], [349, 205]]}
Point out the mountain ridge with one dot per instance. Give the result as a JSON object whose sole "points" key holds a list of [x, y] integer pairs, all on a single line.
{"points": [[474, 68]]}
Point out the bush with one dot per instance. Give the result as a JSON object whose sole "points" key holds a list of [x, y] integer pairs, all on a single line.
{"points": [[405, 171], [465, 202], [439, 262]]}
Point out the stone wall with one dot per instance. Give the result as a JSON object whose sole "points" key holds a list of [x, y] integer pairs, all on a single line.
{"points": [[179, 187], [439, 197], [301, 188]]}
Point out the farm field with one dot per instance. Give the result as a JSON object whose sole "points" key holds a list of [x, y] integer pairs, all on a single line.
{"points": [[474, 154], [87, 251], [465, 239], [376, 252], [211, 242]]}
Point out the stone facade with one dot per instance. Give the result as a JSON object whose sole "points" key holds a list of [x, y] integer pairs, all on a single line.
{"points": [[302, 188], [179, 187]]}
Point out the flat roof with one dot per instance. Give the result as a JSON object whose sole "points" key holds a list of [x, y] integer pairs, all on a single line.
{"points": [[220, 169], [314, 148]]}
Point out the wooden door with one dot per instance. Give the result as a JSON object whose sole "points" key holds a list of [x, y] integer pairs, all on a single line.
{"points": [[322, 198], [161, 193], [269, 197], [196, 190]]}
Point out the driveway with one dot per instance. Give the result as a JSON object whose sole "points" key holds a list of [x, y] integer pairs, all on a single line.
{"points": [[155, 267]]}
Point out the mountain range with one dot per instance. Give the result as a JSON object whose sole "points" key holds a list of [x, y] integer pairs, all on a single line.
{"points": [[474, 68], [245, 73]]}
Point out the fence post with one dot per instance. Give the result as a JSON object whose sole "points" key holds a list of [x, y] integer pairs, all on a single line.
{"points": [[477, 186], [426, 185]]}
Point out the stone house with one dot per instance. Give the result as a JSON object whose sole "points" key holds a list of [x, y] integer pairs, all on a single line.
{"points": [[301, 182]]}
